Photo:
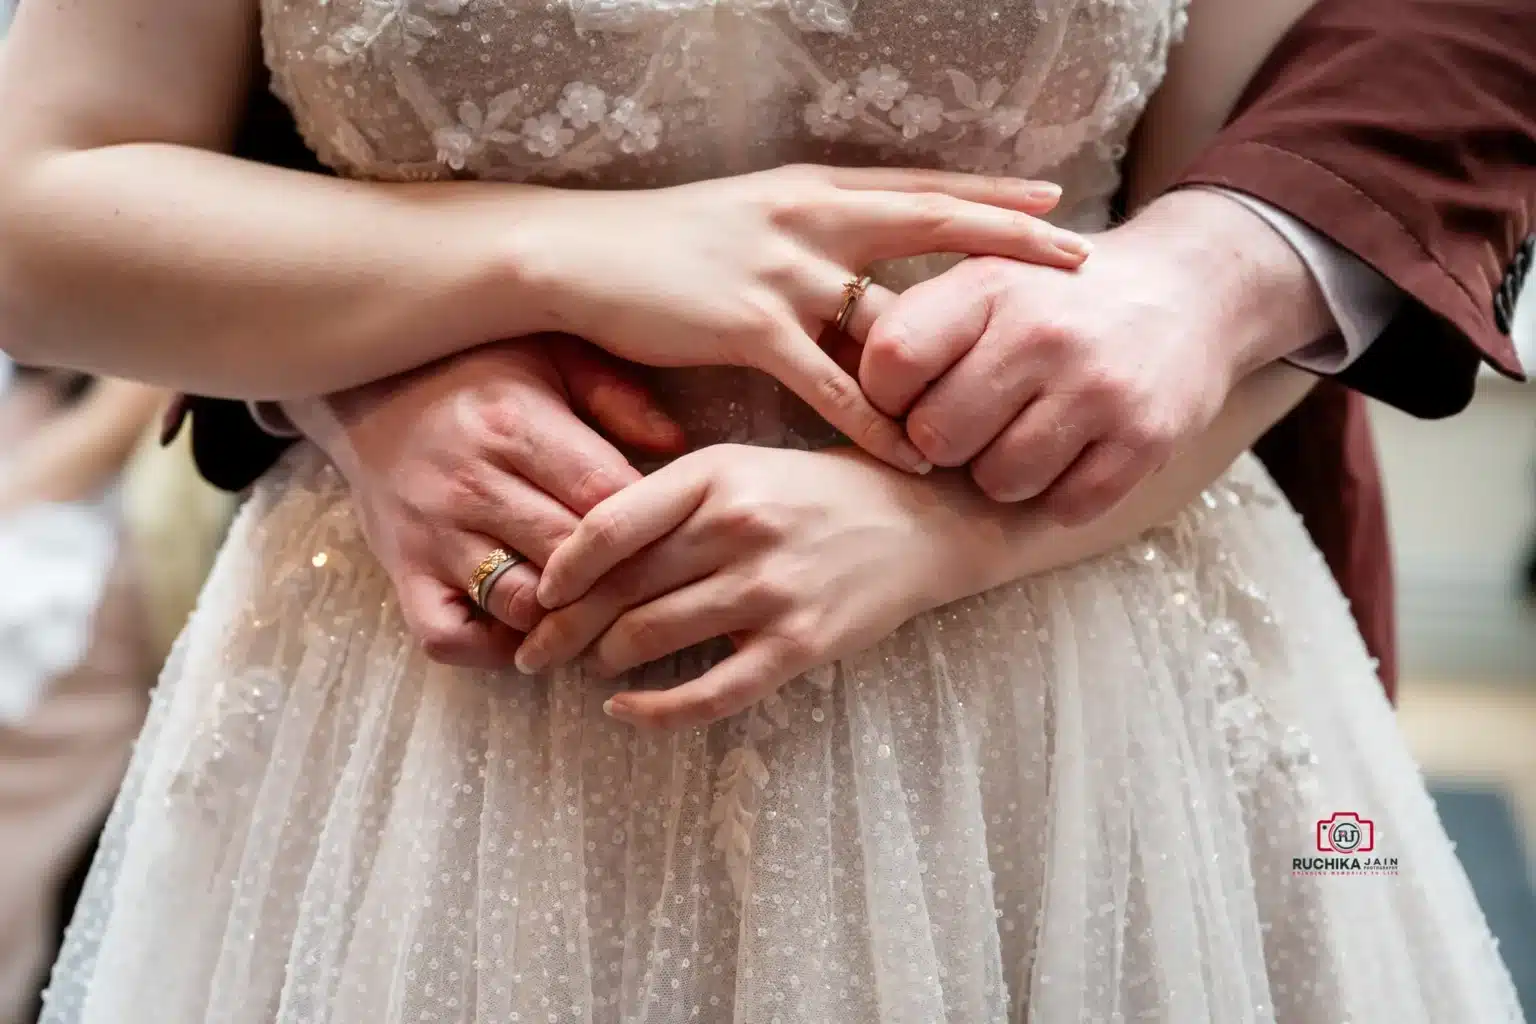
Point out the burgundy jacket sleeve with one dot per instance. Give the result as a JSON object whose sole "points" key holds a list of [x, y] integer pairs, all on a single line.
{"points": [[1405, 130]]}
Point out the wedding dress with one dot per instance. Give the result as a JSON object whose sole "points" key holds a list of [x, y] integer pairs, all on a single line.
{"points": [[1162, 785]]}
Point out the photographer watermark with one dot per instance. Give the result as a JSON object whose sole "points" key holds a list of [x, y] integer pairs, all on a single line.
{"points": [[1346, 845]]}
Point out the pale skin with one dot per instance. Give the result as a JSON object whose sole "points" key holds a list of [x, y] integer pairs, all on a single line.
{"points": [[377, 324], [109, 173], [1068, 389], [781, 550]]}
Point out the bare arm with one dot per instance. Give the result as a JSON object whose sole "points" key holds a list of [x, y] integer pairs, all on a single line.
{"points": [[128, 246], [77, 453], [1224, 45]]}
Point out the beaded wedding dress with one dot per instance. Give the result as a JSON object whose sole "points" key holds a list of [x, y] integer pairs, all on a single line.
{"points": [[1163, 785]]}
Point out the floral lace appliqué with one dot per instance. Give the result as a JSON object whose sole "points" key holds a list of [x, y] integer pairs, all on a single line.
{"points": [[743, 777]]}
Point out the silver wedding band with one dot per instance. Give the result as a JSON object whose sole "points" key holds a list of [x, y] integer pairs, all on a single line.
{"points": [[482, 591]]}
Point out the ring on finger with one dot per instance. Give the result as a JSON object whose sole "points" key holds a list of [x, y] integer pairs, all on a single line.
{"points": [[491, 568], [853, 291]]}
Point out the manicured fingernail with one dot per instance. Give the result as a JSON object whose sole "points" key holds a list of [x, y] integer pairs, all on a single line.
{"points": [[529, 659], [663, 426], [913, 460], [1044, 192], [1071, 244], [617, 712]]}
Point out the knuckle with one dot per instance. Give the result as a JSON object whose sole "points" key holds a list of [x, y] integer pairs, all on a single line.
{"points": [[498, 424], [439, 643], [711, 706], [741, 520], [988, 275], [1055, 340], [931, 211], [799, 643], [462, 490], [518, 602], [595, 485], [786, 209], [1109, 389], [638, 634], [608, 527], [761, 592], [839, 390], [1145, 432], [890, 346]]}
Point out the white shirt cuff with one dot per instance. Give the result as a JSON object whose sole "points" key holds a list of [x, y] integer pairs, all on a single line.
{"points": [[1361, 300], [269, 416]]}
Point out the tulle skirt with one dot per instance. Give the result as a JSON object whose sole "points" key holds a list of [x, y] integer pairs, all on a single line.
{"points": [[1160, 786]]}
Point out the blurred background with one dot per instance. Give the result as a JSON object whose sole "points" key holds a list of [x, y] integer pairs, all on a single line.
{"points": [[1461, 500]]}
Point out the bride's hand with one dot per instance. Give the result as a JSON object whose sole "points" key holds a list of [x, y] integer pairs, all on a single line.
{"points": [[748, 271], [799, 557]]}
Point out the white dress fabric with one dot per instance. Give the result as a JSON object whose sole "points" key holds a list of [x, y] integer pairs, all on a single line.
{"points": [[1093, 796]]}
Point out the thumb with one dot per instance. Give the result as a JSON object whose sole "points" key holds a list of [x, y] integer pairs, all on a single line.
{"points": [[611, 394]]}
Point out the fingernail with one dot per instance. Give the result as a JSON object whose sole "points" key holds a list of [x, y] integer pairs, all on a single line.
{"points": [[529, 660], [617, 712], [1044, 192], [663, 426], [548, 595], [1071, 244], [913, 460]]}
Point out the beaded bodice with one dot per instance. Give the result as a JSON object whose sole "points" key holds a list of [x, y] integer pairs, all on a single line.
{"points": [[647, 93]]}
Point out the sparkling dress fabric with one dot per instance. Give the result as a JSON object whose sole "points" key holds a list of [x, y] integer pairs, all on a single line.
{"points": [[1091, 796]]}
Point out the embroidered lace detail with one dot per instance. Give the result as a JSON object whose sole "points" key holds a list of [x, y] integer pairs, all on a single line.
{"points": [[635, 15], [655, 92], [743, 778]]}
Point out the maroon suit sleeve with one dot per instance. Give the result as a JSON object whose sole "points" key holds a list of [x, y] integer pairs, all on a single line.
{"points": [[1405, 130]]}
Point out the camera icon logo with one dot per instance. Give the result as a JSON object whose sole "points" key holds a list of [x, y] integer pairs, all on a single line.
{"points": [[1346, 832]]}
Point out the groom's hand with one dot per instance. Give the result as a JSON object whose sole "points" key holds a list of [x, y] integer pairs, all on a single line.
{"points": [[1073, 386], [479, 451]]}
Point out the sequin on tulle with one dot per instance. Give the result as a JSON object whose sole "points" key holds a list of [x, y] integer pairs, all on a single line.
{"points": [[1081, 798]]}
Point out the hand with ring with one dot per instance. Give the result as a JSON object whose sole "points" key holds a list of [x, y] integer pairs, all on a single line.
{"points": [[789, 553], [467, 474], [749, 270]]}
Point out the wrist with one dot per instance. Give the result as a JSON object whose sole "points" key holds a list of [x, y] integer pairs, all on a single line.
{"points": [[1240, 276], [527, 269], [963, 534]]}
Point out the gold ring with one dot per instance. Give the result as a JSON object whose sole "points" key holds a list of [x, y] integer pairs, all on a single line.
{"points": [[853, 291], [488, 565]]}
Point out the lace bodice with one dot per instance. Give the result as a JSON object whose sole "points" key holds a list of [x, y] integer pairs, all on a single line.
{"points": [[646, 93]]}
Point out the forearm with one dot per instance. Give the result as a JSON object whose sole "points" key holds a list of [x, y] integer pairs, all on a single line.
{"points": [[78, 453], [998, 544], [208, 274]]}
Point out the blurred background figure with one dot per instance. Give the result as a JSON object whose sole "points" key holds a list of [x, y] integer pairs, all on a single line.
{"points": [[105, 538], [88, 501], [75, 658]]}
